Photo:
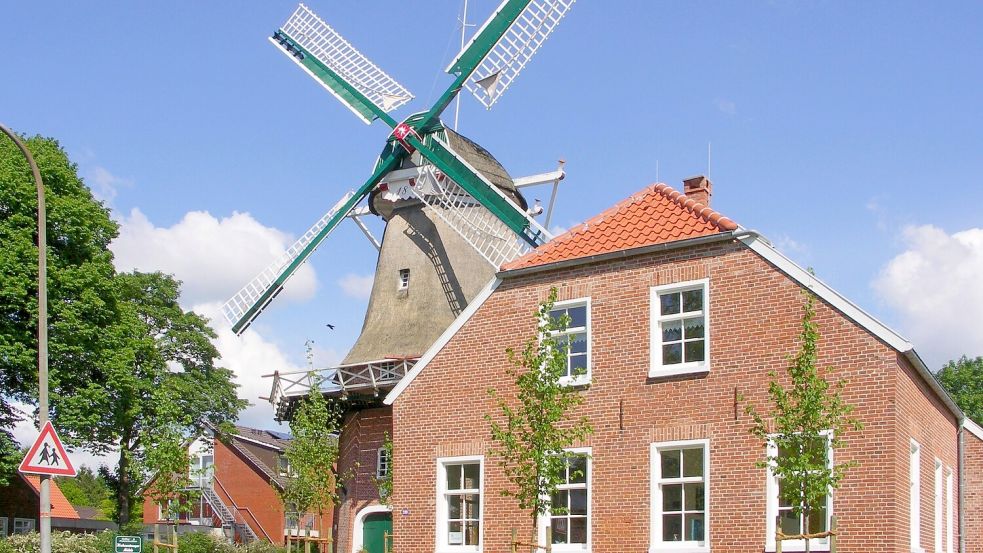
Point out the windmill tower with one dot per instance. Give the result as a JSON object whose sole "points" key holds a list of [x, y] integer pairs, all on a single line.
{"points": [[453, 216]]}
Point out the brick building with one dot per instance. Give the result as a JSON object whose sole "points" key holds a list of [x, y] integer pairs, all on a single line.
{"points": [[20, 503], [677, 312], [236, 479]]}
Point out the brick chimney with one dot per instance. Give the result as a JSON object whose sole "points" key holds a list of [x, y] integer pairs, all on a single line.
{"points": [[698, 188]]}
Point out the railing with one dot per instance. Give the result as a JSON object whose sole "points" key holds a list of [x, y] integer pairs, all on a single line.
{"points": [[239, 511]]}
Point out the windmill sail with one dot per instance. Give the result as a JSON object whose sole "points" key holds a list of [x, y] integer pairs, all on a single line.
{"points": [[325, 55], [504, 45]]}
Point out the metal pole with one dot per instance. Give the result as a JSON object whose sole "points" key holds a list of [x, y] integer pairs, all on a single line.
{"points": [[464, 29], [45, 514]]}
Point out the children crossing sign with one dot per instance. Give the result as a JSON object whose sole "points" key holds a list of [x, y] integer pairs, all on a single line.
{"points": [[47, 455]]}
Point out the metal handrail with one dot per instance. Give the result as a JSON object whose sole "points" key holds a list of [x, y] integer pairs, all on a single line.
{"points": [[240, 509]]}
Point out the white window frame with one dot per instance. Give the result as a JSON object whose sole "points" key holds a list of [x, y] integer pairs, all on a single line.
{"points": [[582, 379], [3, 527], [441, 488], [546, 520], [914, 497], [771, 489], [656, 368], [655, 495], [949, 545], [938, 506], [403, 279], [382, 460], [31, 525]]}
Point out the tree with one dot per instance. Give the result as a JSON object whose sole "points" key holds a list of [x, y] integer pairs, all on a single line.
{"points": [[530, 438], [963, 379], [81, 303], [803, 420], [158, 387], [87, 489], [385, 483]]}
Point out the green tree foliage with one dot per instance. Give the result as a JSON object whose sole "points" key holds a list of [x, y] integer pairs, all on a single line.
{"points": [[963, 379], [81, 302], [87, 489], [530, 438], [801, 420], [385, 484]]}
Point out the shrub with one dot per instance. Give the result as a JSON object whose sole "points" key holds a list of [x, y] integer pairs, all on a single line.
{"points": [[61, 542]]}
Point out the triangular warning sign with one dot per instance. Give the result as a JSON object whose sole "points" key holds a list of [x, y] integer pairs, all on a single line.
{"points": [[48, 455]]}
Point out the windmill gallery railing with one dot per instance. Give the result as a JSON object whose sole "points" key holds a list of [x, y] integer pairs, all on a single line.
{"points": [[342, 380]]}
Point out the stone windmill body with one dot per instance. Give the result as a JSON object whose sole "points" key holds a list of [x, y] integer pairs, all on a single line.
{"points": [[452, 214]]}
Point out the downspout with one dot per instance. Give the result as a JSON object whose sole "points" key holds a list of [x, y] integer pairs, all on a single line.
{"points": [[962, 490]]}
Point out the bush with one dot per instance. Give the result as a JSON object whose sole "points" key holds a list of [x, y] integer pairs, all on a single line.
{"points": [[197, 542], [61, 542]]}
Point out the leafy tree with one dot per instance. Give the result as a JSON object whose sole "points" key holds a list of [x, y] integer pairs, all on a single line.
{"points": [[81, 302], [801, 420], [158, 387], [87, 489], [531, 440], [963, 379], [385, 484]]}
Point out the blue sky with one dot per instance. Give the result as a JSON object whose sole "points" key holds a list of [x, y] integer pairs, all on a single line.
{"points": [[849, 133]]}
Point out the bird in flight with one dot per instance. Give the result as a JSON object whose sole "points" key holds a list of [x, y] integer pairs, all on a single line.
{"points": [[330, 326]]}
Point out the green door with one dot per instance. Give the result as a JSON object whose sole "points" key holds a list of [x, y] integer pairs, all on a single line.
{"points": [[374, 529]]}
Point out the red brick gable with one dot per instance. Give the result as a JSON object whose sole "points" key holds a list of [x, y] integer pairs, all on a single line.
{"points": [[656, 214]]}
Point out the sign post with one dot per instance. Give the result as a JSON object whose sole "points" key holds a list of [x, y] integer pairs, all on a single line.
{"points": [[128, 544]]}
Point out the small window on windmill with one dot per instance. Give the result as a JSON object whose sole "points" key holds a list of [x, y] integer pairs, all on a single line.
{"points": [[404, 279]]}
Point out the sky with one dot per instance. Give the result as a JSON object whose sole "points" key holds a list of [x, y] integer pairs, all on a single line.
{"points": [[850, 134]]}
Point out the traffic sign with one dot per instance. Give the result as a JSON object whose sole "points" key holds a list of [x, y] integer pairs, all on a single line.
{"points": [[128, 544], [48, 455]]}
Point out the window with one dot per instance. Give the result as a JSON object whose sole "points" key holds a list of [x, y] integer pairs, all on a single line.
{"points": [[914, 496], [569, 517], [680, 335], [792, 524], [382, 463], [459, 504], [284, 466], [938, 506], [949, 546], [23, 525], [679, 495], [404, 279], [3, 527], [576, 338]]}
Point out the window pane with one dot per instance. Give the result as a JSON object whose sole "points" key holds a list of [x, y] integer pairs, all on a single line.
{"points": [[817, 520], [557, 313], [672, 497], [472, 476], [559, 502], [453, 477], [454, 507], [578, 364], [472, 506], [578, 530], [694, 327], [693, 462], [559, 526], [471, 530], [578, 469], [672, 527], [694, 496], [578, 502], [578, 316], [670, 303], [693, 300], [790, 523], [672, 354], [694, 351], [578, 343], [694, 527], [670, 463], [672, 331], [455, 535]]}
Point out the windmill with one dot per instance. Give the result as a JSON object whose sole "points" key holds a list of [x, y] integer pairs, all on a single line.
{"points": [[452, 213]]}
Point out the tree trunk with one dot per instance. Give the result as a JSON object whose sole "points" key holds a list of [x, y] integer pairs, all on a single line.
{"points": [[805, 530], [123, 489]]}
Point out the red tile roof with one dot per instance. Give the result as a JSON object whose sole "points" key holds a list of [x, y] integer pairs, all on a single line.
{"points": [[656, 214], [60, 507]]}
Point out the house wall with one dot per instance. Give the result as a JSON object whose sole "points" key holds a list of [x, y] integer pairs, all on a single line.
{"points": [[18, 500], [362, 434], [755, 316], [973, 491], [250, 490]]}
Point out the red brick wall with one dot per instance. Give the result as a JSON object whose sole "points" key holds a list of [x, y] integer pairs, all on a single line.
{"points": [[973, 474], [249, 490], [18, 500], [362, 434], [755, 313]]}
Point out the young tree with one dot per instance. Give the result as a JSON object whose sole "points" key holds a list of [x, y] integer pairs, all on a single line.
{"points": [[803, 421], [963, 379], [385, 484], [530, 438]]}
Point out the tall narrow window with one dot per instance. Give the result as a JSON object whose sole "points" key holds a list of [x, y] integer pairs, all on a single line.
{"points": [[3, 527], [679, 495], [576, 338], [569, 516], [680, 334], [459, 503], [949, 546], [382, 463], [783, 510], [404, 279], [938, 506], [914, 496]]}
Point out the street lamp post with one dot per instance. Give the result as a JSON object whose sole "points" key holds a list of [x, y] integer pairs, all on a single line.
{"points": [[45, 514]]}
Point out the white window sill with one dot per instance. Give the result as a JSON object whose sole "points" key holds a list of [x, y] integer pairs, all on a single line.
{"points": [[683, 548], [659, 372], [813, 547], [575, 382]]}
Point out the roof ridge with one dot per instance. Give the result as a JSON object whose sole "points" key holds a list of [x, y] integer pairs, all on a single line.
{"points": [[696, 208]]}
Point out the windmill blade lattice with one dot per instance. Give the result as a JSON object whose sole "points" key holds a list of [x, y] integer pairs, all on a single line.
{"points": [[513, 50]]}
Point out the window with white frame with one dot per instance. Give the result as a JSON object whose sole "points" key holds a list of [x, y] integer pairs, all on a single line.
{"points": [[938, 506], [23, 525], [576, 338], [949, 546], [404, 279], [679, 495], [459, 503], [680, 333], [382, 463], [569, 516], [780, 508], [3, 527], [914, 496]]}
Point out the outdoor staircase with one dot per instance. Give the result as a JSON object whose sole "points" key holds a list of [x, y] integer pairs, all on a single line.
{"points": [[229, 519]]}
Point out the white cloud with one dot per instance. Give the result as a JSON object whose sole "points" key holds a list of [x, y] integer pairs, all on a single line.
{"points": [[104, 185], [213, 257], [725, 106], [356, 286], [935, 286]]}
